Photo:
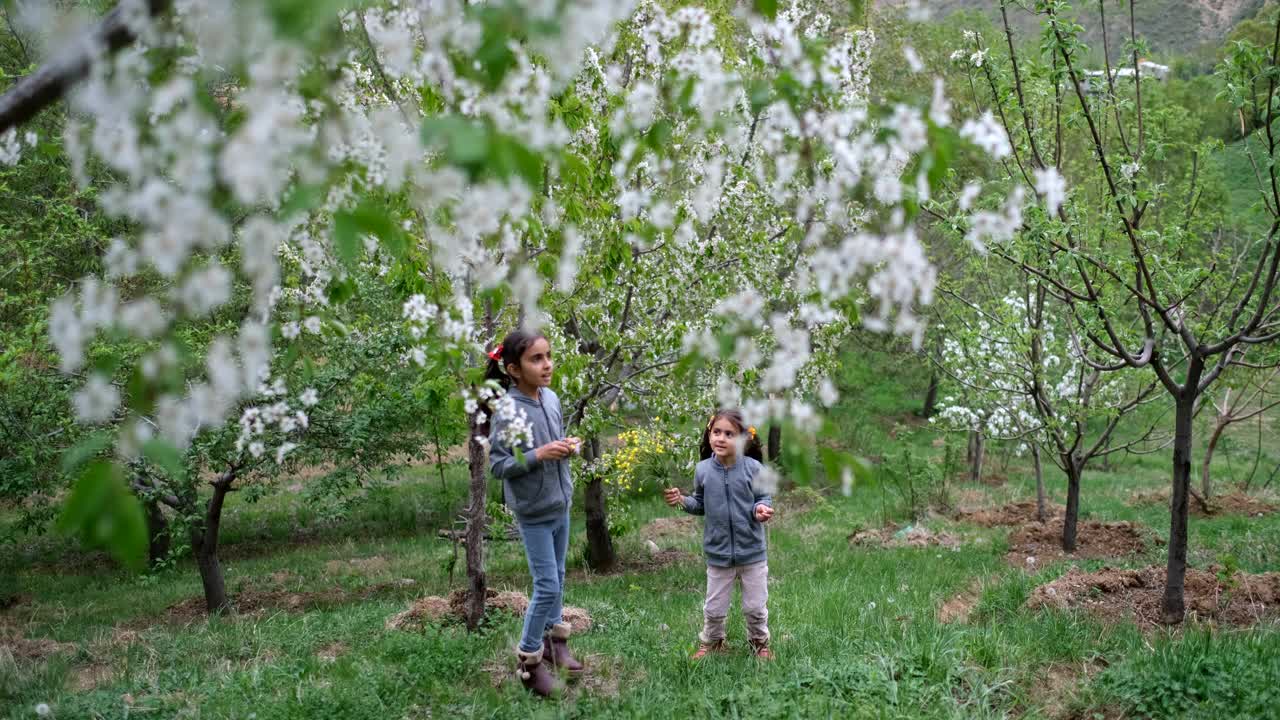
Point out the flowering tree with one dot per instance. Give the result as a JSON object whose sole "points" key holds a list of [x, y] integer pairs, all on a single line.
{"points": [[1023, 379], [736, 205], [1143, 287]]}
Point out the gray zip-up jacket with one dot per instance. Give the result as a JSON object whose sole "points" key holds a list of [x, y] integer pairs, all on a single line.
{"points": [[535, 491], [731, 534]]}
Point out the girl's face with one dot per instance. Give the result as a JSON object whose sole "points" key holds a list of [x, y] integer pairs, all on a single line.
{"points": [[535, 366], [724, 439]]}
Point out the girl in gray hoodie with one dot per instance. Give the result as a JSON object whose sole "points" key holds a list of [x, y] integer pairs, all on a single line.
{"points": [[733, 536], [529, 452]]}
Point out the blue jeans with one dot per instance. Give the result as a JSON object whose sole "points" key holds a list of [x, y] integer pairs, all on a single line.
{"points": [[545, 545]]}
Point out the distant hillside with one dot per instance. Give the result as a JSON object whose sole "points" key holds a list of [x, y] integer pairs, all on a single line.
{"points": [[1170, 26]]}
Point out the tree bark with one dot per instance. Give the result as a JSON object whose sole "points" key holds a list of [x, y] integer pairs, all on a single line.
{"points": [[204, 543], [1070, 523], [1173, 606], [1039, 468], [1206, 485], [55, 78], [157, 533], [477, 516], [775, 442], [979, 450], [930, 396], [600, 552]]}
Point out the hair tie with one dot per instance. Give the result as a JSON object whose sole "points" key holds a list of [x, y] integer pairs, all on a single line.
{"points": [[496, 354]]}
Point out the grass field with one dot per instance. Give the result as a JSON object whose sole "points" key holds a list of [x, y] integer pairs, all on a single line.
{"points": [[856, 628]]}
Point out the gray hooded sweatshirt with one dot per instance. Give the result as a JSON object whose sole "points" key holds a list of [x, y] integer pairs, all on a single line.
{"points": [[535, 491], [731, 535]]}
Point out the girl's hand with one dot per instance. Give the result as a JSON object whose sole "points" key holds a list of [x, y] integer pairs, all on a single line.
{"points": [[763, 513], [554, 450], [673, 497]]}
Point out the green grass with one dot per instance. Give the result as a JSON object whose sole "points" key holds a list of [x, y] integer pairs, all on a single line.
{"points": [[855, 628]]}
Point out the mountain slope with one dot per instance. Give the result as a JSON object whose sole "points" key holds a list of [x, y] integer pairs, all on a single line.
{"points": [[1170, 26]]}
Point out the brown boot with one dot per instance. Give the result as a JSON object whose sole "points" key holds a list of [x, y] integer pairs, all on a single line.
{"points": [[535, 675], [557, 644], [706, 648], [760, 648]]}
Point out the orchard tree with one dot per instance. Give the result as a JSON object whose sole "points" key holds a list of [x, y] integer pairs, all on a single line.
{"points": [[1129, 253], [477, 154]]}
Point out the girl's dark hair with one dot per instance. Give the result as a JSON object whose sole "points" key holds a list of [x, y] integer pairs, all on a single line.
{"points": [[752, 449], [508, 352]]}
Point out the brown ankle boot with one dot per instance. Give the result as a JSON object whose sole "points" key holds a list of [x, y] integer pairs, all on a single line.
{"points": [[556, 643], [535, 675], [760, 648], [706, 648]]}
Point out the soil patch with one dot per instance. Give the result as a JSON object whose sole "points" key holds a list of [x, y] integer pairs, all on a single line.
{"points": [[1035, 545], [682, 527], [892, 536], [1238, 600], [259, 602], [434, 609], [798, 501], [1055, 688], [960, 606], [89, 677], [1011, 514], [331, 653], [603, 676], [26, 649], [1232, 503]]}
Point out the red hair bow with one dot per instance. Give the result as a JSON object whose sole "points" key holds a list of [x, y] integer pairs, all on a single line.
{"points": [[496, 354]]}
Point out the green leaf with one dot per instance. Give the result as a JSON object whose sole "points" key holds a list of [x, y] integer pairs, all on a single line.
{"points": [[85, 450], [166, 457], [105, 514], [346, 239], [767, 8], [367, 219], [465, 143]]}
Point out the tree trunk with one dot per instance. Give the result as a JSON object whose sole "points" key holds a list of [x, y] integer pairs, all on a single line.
{"points": [[204, 543], [157, 533], [600, 552], [1173, 607], [473, 610], [1257, 457], [979, 446], [1071, 521], [775, 442], [1035, 458], [930, 396], [1205, 483]]}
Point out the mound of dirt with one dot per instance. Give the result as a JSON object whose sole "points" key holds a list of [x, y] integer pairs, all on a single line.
{"points": [[1239, 600], [375, 565], [253, 601], [1233, 503], [1036, 544], [434, 609], [24, 649], [916, 536], [680, 527], [960, 606], [1010, 514]]}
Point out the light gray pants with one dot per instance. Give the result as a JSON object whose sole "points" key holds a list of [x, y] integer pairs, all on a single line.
{"points": [[754, 580]]}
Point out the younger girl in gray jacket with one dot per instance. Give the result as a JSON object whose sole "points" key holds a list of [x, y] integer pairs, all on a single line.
{"points": [[733, 535]]}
